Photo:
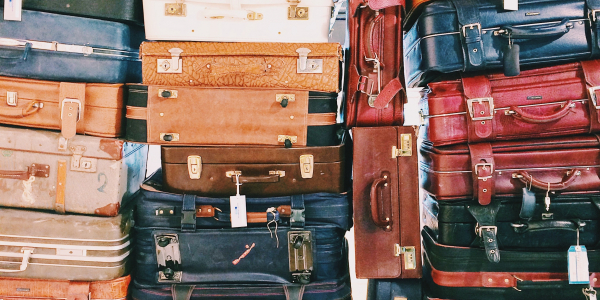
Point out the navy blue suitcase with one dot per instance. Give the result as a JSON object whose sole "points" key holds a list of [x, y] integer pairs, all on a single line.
{"points": [[58, 47], [394, 289]]}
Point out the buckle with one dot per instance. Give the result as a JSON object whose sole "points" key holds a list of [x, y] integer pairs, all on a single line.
{"points": [[490, 102], [70, 100], [592, 14], [471, 26], [593, 97], [483, 165], [478, 229]]}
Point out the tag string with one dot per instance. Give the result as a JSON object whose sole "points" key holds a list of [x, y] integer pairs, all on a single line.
{"points": [[237, 184], [272, 211]]}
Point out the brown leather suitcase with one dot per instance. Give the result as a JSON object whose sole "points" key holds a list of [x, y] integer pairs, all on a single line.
{"points": [[17, 288], [386, 202], [263, 171], [85, 108]]}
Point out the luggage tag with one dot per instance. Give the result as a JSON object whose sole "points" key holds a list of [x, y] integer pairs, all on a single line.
{"points": [[12, 10], [511, 4], [578, 264], [237, 206], [511, 58]]}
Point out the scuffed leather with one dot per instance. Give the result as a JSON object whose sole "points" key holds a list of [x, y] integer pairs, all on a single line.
{"points": [[37, 288]]}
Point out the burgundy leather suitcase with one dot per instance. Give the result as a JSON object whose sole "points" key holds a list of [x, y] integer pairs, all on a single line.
{"points": [[552, 101], [376, 92], [386, 202]]}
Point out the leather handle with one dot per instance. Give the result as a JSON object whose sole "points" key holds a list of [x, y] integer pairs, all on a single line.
{"points": [[519, 113], [385, 224], [16, 112], [222, 13], [542, 225], [541, 284], [209, 211], [24, 262], [537, 32], [21, 57], [369, 51], [35, 170], [527, 179], [257, 179]]}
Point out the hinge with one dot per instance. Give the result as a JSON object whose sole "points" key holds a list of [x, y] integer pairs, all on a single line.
{"points": [[170, 65], [175, 9], [405, 146], [300, 250], [230, 174], [307, 165], [169, 137], [295, 12], [305, 65], [409, 256], [11, 98], [168, 258], [80, 163], [194, 166]]}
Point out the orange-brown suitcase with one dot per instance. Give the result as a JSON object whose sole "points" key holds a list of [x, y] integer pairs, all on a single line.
{"points": [[18, 288]]}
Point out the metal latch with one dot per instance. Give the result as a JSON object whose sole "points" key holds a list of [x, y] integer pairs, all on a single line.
{"points": [[284, 99], [194, 166], [279, 173], [305, 65], [410, 260], [168, 258], [171, 94], [175, 9], [307, 165], [300, 250], [295, 12], [169, 137], [80, 163], [230, 174], [170, 65], [405, 146], [11, 98]]}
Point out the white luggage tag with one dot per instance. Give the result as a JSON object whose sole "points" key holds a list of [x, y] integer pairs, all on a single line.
{"points": [[237, 205], [12, 10], [578, 264], [511, 4]]}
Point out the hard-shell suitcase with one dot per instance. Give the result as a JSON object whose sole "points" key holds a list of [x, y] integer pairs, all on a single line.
{"points": [[43, 245], [97, 108], [277, 21], [19, 288], [376, 94], [243, 116], [262, 171], [399, 289], [42, 46], [479, 35], [87, 175], [551, 101], [463, 273], [309, 66], [386, 202]]}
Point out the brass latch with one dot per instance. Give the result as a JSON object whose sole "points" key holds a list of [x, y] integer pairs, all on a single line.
{"points": [[305, 65], [280, 173], [288, 140], [11, 98], [171, 94], [405, 146], [194, 166], [169, 137], [168, 258], [300, 250], [307, 165], [170, 65], [230, 174], [254, 16], [285, 99], [175, 9], [409, 256], [295, 12], [80, 163]]}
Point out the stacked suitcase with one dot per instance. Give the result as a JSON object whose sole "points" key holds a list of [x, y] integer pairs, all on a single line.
{"points": [[66, 178]]}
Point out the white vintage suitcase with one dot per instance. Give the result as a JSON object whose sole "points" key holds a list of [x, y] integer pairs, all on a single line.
{"points": [[279, 21], [91, 175]]}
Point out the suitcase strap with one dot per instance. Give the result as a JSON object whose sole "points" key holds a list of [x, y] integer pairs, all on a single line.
{"points": [[486, 228], [184, 292], [480, 108], [482, 171], [467, 12]]}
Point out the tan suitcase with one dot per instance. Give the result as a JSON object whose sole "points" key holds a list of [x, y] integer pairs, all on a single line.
{"points": [[39, 289]]}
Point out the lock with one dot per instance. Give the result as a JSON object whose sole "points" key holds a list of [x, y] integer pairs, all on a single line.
{"points": [[168, 257], [169, 137], [300, 250], [170, 65], [305, 65], [79, 163]]}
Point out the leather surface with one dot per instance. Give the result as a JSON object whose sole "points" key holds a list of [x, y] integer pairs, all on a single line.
{"points": [[242, 65], [118, 10], [18, 288]]}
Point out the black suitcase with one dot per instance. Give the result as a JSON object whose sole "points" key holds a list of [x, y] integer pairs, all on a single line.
{"points": [[395, 289]]}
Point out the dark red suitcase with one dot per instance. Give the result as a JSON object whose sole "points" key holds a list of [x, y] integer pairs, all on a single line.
{"points": [[553, 101]]}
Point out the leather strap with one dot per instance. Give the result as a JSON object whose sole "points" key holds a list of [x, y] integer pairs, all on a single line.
{"points": [[322, 119], [182, 291], [252, 217], [71, 104], [591, 72], [78, 290], [297, 218], [480, 112], [595, 25], [293, 291], [61, 185], [527, 204], [136, 113], [387, 94], [188, 213], [205, 211], [487, 230], [482, 168], [467, 12]]}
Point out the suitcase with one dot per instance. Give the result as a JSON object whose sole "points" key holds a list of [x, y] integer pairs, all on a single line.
{"points": [[314, 67], [551, 101], [452, 272], [400, 289], [386, 202], [483, 170], [89, 175], [44, 104], [17, 288], [128, 11], [41, 245], [39, 48], [244, 116], [477, 35], [376, 94], [277, 21], [263, 171]]}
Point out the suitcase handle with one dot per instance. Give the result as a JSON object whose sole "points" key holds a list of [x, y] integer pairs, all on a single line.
{"points": [[541, 284], [24, 263], [528, 180], [230, 13], [519, 113], [387, 223], [570, 225], [257, 179], [15, 112], [35, 170], [21, 57], [536, 32]]}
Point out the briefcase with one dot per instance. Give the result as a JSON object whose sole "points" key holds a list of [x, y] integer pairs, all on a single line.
{"points": [[309, 66], [390, 289], [18, 288], [551, 101], [386, 202], [479, 35], [85, 174], [231, 116]]}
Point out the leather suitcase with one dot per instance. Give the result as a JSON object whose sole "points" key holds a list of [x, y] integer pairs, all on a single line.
{"points": [[87, 175], [314, 67], [128, 11], [17, 288], [477, 35], [263, 171], [552, 101], [305, 21], [386, 202], [45, 104], [41, 245], [376, 94], [39, 47], [452, 272], [400, 289], [244, 116]]}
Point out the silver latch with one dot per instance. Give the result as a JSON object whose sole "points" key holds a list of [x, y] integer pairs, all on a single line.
{"points": [[300, 250], [307, 165], [80, 163], [11, 98], [170, 65], [405, 146], [194, 166], [175, 9], [305, 65], [168, 258], [295, 12]]}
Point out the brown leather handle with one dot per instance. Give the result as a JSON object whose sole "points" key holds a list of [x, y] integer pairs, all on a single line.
{"points": [[35, 170], [16, 112], [369, 51], [536, 119], [527, 179], [209, 211], [385, 224], [257, 179]]}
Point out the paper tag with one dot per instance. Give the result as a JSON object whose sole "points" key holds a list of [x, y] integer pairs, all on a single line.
{"points": [[12, 10], [578, 265], [238, 211], [511, 4]]}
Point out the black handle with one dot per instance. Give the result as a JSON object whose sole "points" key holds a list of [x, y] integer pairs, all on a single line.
{"points": [[536, 32], [570, 225]]}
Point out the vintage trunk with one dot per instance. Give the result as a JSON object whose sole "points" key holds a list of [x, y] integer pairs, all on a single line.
{"points": [[91, 175], [18, 288]]}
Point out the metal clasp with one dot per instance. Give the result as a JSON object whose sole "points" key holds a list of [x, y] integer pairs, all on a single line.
{"points": [[230, 174], [307, 165], [295, 12], [483, 166], [376, 69], [305, 65], [11, 98], [168, 258], [171, 65], [405, 146], [80, 163], [175, 9], [300, 250], [471, 26], [194, 166], [592, 14], [593, 97], [489, 100], [479, 229], [410, 262]]}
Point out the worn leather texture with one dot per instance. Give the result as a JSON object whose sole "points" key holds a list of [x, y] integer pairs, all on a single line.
{"points": [[380, 289], [431, 32], [258, 65], [545, 102], [255, 163], [395, 202], [19, 288]]}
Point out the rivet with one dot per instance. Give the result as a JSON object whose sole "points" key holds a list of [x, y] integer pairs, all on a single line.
{"points": [[490, 240], [160, 212], [506, 280], [484, 179], [70, 114], [208, 66], [192, 30], [499, 173], [70, 108], [482, 112], [490, 280], [483, 122], [388, 227], [475, 50], [387, 219], [161, 114], [269, 66], [191, 81], [385, 184], [68, 5], [171, 211], [485, 190], [209, 210], [384, 176], [595, 279], [292, 117]]}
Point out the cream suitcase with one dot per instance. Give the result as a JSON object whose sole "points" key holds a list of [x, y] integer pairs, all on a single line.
{"points": [[278, 21]]}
